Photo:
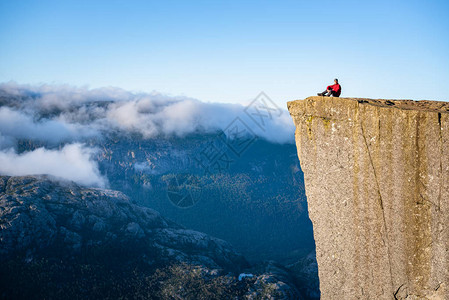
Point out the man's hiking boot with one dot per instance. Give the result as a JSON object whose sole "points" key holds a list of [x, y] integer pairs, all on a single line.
{"points": [[321, 94]]}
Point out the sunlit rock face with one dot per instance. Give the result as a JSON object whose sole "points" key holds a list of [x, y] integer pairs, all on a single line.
{"points": [[377, 183]]}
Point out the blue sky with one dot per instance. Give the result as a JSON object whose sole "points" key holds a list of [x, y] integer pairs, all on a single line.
{"points": [[229, 51]]}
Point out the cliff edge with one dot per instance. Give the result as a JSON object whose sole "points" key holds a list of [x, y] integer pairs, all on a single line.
{"points": [[377, 183]]}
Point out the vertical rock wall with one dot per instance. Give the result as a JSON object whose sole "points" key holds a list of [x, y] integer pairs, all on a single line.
{"points": [[377, 183]]}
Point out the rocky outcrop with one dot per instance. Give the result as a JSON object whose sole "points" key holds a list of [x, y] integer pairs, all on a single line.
{"points": [[65, 241], [377, 183], [39, 215]]}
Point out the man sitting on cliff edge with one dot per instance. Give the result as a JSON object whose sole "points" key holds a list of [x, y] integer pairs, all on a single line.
{"points": [[332, 90]]}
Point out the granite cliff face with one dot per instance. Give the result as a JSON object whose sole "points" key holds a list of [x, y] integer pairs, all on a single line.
{"points": [[377, 183]]}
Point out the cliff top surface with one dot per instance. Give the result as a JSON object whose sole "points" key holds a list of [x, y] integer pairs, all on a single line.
{"points": [[422, 105]]}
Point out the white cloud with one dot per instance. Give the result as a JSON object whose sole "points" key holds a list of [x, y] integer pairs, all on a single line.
{"points": [[73, 162], [62, 115], [19, 125], [75, 113]]}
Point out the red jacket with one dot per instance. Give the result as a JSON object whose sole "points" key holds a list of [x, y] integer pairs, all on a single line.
{"points": [[336, 88]]}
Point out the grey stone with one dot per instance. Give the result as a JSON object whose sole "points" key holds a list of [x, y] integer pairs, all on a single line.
{"points": [[38, 212], [377, 183]]}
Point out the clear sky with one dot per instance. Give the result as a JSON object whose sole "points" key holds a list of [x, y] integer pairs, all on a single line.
{"points": [[229, 51]]}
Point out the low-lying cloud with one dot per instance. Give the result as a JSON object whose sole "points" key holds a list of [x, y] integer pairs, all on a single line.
{"points": [[73, 162], [19, 125], [68, 117], [77, 113]]}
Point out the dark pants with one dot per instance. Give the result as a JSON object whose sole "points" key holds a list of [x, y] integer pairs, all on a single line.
{"points": [[332, 93], [329, 93]]}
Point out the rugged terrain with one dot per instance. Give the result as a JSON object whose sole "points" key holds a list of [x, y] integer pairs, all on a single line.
{"points": [[190, 167], [376, 175], [57, 234]]}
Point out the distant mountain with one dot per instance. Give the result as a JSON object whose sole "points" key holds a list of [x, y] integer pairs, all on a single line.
{"points": [[255, 201], [215, 168]]}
